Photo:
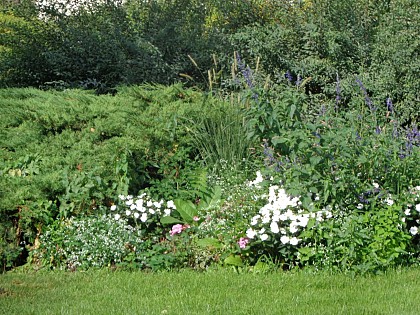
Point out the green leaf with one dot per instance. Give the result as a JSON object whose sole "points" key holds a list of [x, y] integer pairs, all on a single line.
{"points": [[314, 160], [234, 260], [209, 242], [277, 140], [169, 220], [292, 111], [186, 209]]}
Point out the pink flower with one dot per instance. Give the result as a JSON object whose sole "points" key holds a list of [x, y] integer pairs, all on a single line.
{"points": [[196, 218], [176, 229], [243, 241]]}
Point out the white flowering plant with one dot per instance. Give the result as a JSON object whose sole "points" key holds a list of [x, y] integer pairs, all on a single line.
{"points": [[276, 231], [374, 235], [142, 212], [87, 242]]}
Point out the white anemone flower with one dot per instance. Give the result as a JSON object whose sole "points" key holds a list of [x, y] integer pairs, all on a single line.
{"points": [[254, 220], [171, 204], [250, 233], [293, 228], [113, 207], [263, 237], [274, 227], [414, 230], [143, 217], [294, 241], [284, 239]]}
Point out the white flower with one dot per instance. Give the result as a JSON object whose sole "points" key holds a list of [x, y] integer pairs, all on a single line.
{"points": [[250, 233], [151, 211], [117, 217], [257, 181], [359, 206], [389, 200], [122, 197], [127, 212], [254, 220], [414, 230], [263, 237], [171, 204], [294, 241], [376, 185], [133, 206], [113, 207], [274, 227], [407, 212], [265, 219], [293, 228], [418, 207], [136, 215], [157, 204], [167, 212], [149, 203], [129, 202], [284, 239], [303, 221], [143, 217]]}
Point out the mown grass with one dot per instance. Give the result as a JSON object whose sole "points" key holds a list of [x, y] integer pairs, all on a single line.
{"points": [[219, 292]]}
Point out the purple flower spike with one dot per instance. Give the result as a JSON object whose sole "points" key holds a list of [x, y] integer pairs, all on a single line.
{"points": [[368, 101], [389, 105], [288, 76]]}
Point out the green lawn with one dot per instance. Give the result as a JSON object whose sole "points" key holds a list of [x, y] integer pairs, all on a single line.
{"points": [[218, 292]]}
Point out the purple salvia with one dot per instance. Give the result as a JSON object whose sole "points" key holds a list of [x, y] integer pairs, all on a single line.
{"points": [[246, 71], [299, 80], [288, 76], [368, 101], [337, 91], [389, 105], [268, 152]]}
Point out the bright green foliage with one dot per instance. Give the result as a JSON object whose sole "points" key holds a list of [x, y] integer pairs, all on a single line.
{"points": [[213, 292], [67, 153]]}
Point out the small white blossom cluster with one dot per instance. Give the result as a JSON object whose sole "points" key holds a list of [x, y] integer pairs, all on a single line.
{"points": [[257, 181], [69, 7], [412, 212], [141, 208], [88, 242], [282, 216]]}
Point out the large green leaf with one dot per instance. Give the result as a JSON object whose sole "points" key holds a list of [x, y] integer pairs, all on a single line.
{"points": [[234, 260], [170, 220], [186, 209], [209, 242]]}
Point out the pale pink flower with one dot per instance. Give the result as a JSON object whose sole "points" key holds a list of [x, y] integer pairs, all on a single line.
{"points": [[243, 241], [176, 229]]}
